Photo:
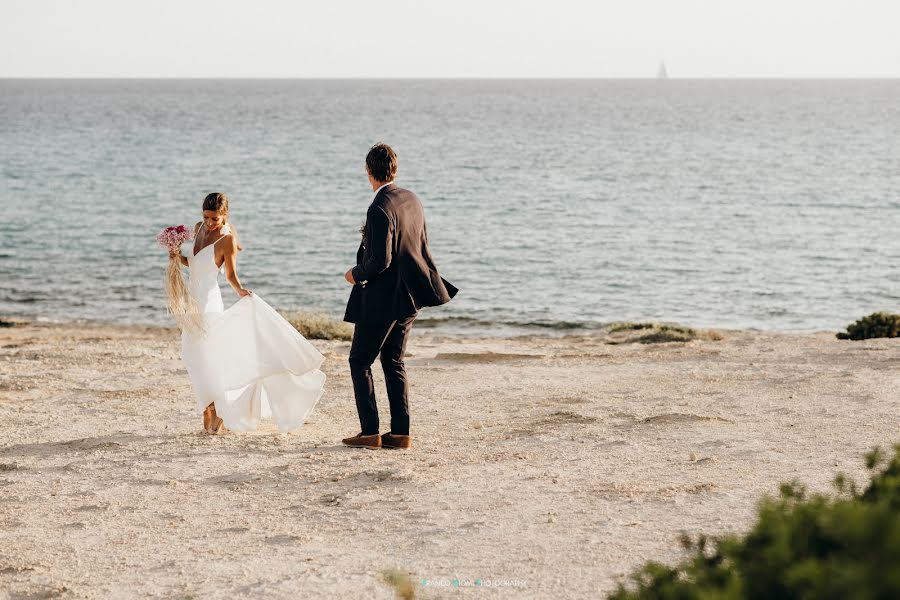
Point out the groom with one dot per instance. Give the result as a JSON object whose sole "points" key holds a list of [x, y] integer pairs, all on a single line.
{"points": [[393, 278]]}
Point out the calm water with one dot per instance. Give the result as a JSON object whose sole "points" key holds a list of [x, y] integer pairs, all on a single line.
{"points": [[767, 204]]}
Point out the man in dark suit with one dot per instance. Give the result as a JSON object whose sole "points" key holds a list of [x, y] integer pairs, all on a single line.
{"points": [[393, 278]]}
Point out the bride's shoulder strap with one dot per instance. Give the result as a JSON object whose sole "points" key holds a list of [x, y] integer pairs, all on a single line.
{"points": [[197, 228], [222, 237]]}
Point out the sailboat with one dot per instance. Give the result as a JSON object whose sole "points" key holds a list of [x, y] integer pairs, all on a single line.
{"points": [[661, 72]]}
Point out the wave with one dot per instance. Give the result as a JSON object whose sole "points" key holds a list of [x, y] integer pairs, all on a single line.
{"points": [[21, 300], [24, 296]]}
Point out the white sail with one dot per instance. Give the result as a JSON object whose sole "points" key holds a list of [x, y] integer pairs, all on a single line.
{"points": [[661, 73]]}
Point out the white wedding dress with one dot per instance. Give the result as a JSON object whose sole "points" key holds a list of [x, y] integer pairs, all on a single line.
{"points": [[251, 363]]}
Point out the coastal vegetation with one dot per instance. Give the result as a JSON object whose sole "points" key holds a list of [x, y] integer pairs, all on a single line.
{"points": [[656, 333], [400, 582], [12, 322], [810, 546], [316, 326], [876, 325]]}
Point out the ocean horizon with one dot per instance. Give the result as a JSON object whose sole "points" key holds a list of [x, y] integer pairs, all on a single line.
{"points": [[555, 205]]}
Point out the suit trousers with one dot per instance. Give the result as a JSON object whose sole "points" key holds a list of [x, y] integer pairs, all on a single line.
{"points": [[388, 339]]}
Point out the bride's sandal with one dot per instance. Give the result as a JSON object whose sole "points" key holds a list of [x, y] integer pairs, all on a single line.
{"points": [[216, 424], [211, 422]]}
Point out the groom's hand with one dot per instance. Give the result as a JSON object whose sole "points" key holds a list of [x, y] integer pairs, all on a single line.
{"points": [[349, 277]]}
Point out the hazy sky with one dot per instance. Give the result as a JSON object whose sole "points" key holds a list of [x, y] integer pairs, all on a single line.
{"points": [[449, 38]]}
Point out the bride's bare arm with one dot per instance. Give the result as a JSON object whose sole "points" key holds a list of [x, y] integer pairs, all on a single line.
{"points": [[230, 248], [180, 256]]}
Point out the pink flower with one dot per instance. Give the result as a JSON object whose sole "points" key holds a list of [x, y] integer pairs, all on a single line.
{"points": [[171, 238]]}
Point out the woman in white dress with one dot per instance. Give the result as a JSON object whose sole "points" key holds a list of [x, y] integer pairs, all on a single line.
{"points": [[248, 363]]}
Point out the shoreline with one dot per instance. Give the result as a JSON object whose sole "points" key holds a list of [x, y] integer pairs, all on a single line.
{"points": [[558, 463], [440, 327]]}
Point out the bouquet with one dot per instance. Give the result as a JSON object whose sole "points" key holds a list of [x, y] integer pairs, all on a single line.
{"points": [[171, 238], [181, 304]]}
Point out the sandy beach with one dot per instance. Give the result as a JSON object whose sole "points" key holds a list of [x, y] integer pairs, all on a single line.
{"points": [[542, 467]]}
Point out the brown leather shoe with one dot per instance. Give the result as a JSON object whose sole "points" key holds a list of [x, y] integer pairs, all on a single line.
{"points": [[394, 440], [363, 441]]}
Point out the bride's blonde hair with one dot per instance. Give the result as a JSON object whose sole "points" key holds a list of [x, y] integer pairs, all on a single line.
{"points": [[218, 202]]}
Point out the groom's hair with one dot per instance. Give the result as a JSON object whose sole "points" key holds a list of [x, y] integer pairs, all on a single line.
{"points": [[382, 162]]}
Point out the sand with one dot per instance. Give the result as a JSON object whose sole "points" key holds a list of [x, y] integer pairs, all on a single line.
{"points": [[543, 467]]}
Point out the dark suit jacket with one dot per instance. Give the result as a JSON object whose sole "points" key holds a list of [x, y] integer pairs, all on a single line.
{"points": [[394, 273]]}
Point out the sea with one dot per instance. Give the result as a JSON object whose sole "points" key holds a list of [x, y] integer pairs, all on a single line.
{"points": [[553, 205]]}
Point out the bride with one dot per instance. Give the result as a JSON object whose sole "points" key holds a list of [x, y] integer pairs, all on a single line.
{"points": [[247, 362]]}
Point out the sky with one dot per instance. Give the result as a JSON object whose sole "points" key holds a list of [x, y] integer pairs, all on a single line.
{"points": [[449, 38]]}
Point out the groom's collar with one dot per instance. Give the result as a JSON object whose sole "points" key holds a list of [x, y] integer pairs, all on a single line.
{"points": [[388, 184]]}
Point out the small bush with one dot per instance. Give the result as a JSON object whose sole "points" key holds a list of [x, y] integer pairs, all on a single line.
{"points": [[876, 325], [617, 327], [400, 582], [668, 333], [12, 322], [846, 545], [654, 333], [314, 326]]}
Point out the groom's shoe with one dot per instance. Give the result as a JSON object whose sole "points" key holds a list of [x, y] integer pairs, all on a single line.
{"points": [[395, 440], [363, 441]]}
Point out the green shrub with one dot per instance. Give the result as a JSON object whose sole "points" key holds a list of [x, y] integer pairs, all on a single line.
{"points": [[654, 333], [616, 327], [12, 322], [400, 582], [876, 325], [813, 547], [668, 333], [314, 326]]}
